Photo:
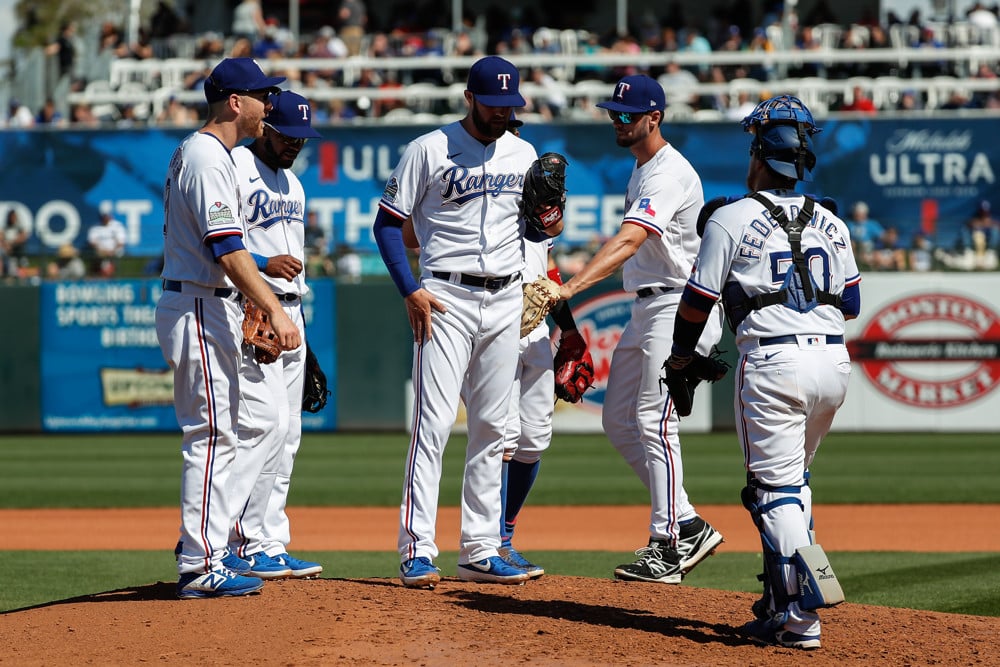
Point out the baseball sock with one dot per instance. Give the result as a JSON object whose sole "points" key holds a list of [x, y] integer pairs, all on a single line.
{"points": [[520, 479], [505, 535]]}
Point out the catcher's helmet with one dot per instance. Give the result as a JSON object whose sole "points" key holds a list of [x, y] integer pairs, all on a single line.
{"points": [[782, 127]]}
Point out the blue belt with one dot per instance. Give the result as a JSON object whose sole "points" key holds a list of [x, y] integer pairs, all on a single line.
{"points": [[176, 286], [287, 297], [650, 291], [794, 338], [469, 280]]}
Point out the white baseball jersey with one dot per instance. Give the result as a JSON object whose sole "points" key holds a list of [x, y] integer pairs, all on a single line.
{"points": [[201, 199], [791, 377], [271, 410], [274, 211], [199, 335], [664, 197], [744, 245], [440, 182], [463, 199]]}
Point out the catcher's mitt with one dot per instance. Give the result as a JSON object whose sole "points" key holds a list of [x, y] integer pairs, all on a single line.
{"points": [[539, 297], [574, 367], [314, 391], [544, 192], [258, 333], [681, 383]]}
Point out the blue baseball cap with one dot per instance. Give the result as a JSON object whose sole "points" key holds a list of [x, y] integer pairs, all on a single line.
{"points": [[637, 93], [237, 75], [291, 114], [494, 82]]}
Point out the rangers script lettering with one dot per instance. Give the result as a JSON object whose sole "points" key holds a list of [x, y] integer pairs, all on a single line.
{"points": [[462, 187]]}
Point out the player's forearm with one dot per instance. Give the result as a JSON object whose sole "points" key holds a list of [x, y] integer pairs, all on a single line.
{"points": [[602, 265], [242, 270]]}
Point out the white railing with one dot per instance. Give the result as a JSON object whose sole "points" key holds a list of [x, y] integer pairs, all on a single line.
{"points": [[153, 82]]}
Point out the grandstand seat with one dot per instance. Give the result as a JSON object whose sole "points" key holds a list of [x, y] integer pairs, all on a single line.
{"points": [[828, 34]]}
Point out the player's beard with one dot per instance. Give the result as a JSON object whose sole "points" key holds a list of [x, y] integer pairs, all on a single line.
{"points": [[274, 157], [484, 127], [251, 125]]}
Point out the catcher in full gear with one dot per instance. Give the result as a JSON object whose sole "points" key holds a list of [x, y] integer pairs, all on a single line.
{"points": [[783, 267]]}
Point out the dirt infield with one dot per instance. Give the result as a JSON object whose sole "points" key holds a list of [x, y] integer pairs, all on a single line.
{"points": [[551, 621]]}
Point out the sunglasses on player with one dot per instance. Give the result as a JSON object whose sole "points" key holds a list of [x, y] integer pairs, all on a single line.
{"points": [[626, 117]]}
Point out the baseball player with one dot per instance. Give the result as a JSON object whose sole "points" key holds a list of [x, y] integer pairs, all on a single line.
{"points": [[656, 244], [460, 187], [274, 206], [529, 419], [206, 269], [783, 266]]}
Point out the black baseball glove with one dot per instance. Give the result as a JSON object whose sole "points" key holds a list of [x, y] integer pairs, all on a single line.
{"points": [[544, 193], [314, 391], [681, 382]]}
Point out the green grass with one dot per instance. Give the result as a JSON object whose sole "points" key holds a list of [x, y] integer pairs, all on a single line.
{"points": [[953, 583], [366, 470]]}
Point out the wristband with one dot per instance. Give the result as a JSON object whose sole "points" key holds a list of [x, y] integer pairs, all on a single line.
{"points": [[260, 261]]}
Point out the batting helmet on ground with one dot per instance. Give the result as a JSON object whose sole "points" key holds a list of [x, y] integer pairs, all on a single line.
{"points": [[782, 127]]}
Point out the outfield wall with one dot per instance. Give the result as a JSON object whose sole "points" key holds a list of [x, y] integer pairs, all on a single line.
{"points": [[84, 357], [918, 175]]}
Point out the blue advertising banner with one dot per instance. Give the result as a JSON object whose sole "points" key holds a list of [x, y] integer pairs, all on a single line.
{"points": [[915, 175], [102, 369]]}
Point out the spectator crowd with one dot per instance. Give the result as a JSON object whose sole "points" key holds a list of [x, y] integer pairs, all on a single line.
{"points": [[354, 31]]}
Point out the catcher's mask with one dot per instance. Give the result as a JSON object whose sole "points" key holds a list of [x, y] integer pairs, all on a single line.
{"points": [[783, 127]]}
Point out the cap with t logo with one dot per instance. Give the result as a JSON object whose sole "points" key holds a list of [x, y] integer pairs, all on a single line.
{"points": [[637, 93], [494, 82], [291, 114]]}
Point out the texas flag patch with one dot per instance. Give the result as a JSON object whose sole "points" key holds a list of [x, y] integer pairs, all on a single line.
{"points": [[644, 206]]}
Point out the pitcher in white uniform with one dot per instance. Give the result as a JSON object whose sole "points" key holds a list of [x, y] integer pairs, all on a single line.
{"points": [[206, 270], [783, 266], [274, 206], [656, 246], [460, 186]]}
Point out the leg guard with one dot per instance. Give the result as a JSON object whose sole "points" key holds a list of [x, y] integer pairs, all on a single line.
{"points": [[817, 582], [779, 576]]}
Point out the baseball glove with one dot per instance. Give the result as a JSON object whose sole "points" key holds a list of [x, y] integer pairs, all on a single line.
{"points": [[681, 382], [314, 391], [539, 298], [544, 193], [258, 333], [574, 367]]}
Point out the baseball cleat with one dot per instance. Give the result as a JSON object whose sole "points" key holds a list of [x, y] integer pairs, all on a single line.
{"points": [[263, 566], [697, 541], [492, 570], [657, 562], [419, 572], [233, 562], [790, 639], [217, 583], [301, 569], [513, 557]]}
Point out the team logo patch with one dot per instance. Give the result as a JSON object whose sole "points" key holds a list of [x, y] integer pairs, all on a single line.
{"points": [[391, 190], [644, 205], [932, 350], [219, 214]]}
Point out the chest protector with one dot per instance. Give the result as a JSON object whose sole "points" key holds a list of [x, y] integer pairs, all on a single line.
{"points": [[799, 290]]}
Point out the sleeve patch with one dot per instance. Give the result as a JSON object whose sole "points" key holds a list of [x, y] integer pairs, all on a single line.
{"points": [[220, 214]]}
